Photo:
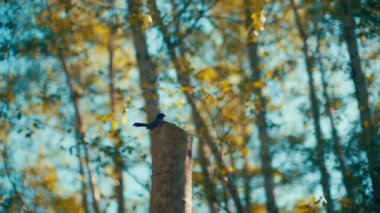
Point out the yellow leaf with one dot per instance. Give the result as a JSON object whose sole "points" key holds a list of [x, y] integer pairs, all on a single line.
{"points": [[366, 124], [207, 75], [186, 89], [49, 72], [109, 170], [11, 97], [124, 120], [260, 67], [114, 125], [363, 38], [372, 56], [225, 86], [101, 31], [245, 152], [45, 106], [128, 100], [2, 199], [337, 104], [371, 78], [180, 104], [210, 99], [268, 75], [197, 177], [97, 81], [258, 84], [223, 171]]}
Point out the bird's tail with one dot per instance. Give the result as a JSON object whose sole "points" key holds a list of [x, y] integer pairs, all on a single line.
{"points": [[140, 124]]}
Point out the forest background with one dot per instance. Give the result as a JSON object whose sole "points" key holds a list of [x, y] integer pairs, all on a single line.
{"points": [[282, 98]]}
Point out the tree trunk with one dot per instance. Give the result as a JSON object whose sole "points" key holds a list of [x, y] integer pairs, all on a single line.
{"points": [[347, 178], [79, 133], [266, 157], [320, 148], [202, 131], [147, 68], [78, 122], [171, 170], [118, 142], [208, 183], [183, 67], [247, 184], [370, 145]]}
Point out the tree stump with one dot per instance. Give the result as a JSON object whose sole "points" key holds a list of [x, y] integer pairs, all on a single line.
{"points": [[171, 170]]}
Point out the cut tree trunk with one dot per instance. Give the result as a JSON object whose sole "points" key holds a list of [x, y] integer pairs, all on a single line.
{"points": [[171, 170]]}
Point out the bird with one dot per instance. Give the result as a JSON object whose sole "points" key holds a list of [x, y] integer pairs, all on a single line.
{"points": [[159, 120]]}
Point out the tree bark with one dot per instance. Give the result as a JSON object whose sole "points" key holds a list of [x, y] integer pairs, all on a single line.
{"points": [[77, 122], [247, 184], [320, 148], [118, 142], [171, 170], [338, 150], [79, 130], [147, 68], [208, 183], [266, 157], [370, 145], [79, 134]]}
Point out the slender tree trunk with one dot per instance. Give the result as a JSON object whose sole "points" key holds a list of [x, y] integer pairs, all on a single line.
{"points": [[82, 179], [118, 142], [78, 123], [266, 157], [147, 68], [208, 183], [320, 148], [7, 173], [247, 184], [183, 68], [337, 142], [347, 178], [9, 82], [370, 145], [201, 129], [79, 132]]}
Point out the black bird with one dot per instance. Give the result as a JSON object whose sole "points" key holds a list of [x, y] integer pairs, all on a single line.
{"points": [[159, 119]]}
